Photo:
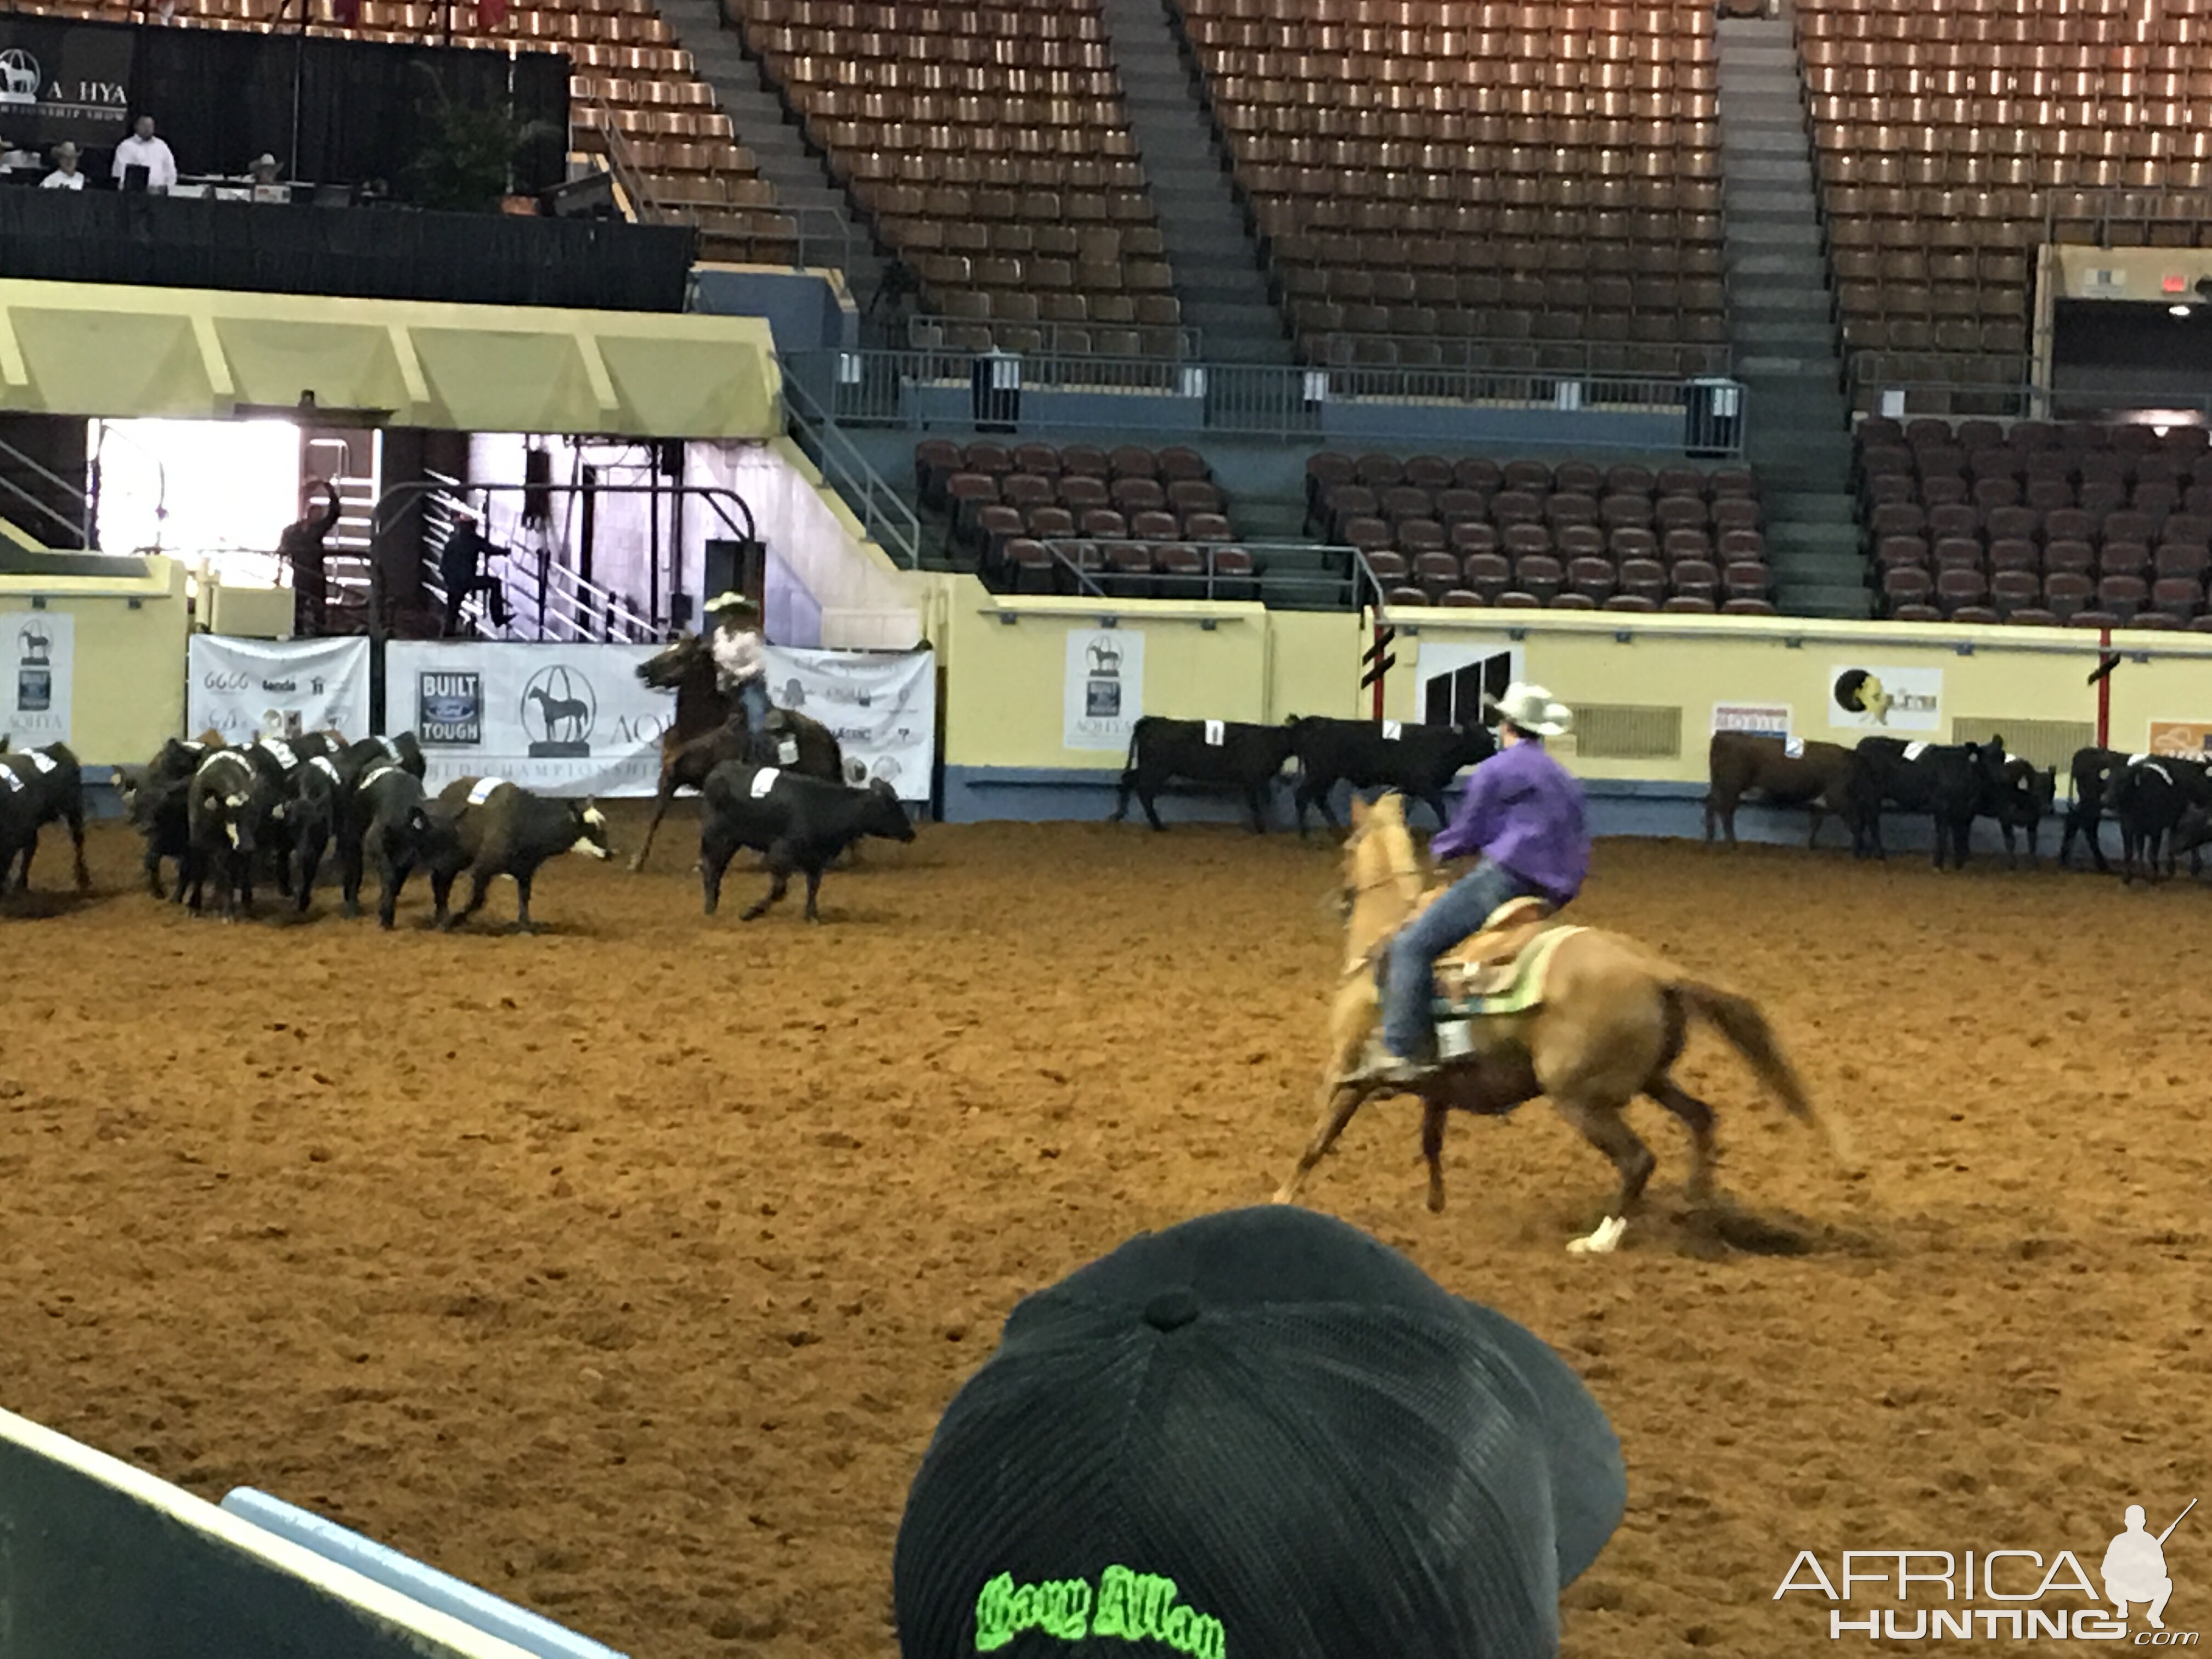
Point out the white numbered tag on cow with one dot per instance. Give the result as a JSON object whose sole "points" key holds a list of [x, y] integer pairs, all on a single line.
{"points": [[1794, 748], [1215, 731], [391, 748], [484, 790], [787, 751], [44, 762], [763, 781], [15, 778], [1393, 730], [281, 751], [322, 764], [378, 770], [2139, 760], [1914, 751]]}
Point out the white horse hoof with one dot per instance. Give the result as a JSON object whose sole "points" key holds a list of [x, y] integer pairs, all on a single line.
{"points": [[1603, 1241]]}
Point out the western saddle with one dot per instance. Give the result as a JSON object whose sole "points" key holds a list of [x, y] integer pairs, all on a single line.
{"points": [[1484, 965]]}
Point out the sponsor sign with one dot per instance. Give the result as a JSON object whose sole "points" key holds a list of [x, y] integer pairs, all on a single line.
{"points": [[1862, 697], [2192, 739], [561, 719], [1105, 689], [1458, 673], [1758, 719], [37, 658], [61, 81], [881, 705], [249, 688]]}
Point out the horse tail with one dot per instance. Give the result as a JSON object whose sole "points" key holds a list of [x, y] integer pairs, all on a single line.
{"points": [[1739, 1019]]}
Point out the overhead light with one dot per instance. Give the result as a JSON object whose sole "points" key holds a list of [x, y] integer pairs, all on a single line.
{"points": [[2177, 311]]}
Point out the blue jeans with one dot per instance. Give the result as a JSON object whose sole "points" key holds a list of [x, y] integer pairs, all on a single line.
{"points": [[1458, 911]]}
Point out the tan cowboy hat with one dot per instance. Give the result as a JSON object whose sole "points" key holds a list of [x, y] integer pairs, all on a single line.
{"points": [[65, 151], [1530, 708], [264, 159], [731, 601]]}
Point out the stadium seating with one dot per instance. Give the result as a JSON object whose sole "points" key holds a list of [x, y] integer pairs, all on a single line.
{"points": [[1139, 523], [1513, 187], [989, 147], [1952, 139], [2037, 523], [1572, 534], [626, 77]]}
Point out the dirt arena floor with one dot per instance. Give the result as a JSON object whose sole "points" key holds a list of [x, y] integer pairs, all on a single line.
{"points": [[624, 1270]]}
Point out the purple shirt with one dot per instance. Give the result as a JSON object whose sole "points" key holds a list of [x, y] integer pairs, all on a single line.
{"points": [[1524, 811]]}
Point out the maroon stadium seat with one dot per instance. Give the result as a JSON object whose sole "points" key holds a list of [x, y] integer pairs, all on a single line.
{"points": [[1488, 573]]}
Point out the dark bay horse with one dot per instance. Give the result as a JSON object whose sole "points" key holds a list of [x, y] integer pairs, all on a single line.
{"points": [[710, 728]]}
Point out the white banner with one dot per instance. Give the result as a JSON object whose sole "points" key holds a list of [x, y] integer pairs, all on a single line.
{"points": [[246, 689], [562, 719], [1105, 692], [38, 657], [1870, 698], [881, 705], [1457, 672]]}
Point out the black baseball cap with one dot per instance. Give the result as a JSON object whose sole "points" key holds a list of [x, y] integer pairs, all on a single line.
{"points": [[1258, 1435]]}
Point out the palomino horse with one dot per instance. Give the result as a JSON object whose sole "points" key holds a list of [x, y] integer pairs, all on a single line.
{"points": [[709, 728], [1610, 1026]]}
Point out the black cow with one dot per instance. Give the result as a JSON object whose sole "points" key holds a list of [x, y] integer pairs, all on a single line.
{"points": [[38, 787], [489, 827], [2149, 796], [2023, 802], [400, 749], [318, 813], [1418, 761], [802, 823], [1235, 754], [2089, 775], [391, 826], [1953, 783], [228, 806]]}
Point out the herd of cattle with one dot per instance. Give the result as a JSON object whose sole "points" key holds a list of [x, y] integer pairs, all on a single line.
{"points": [[2163, 804], [276, 809]]}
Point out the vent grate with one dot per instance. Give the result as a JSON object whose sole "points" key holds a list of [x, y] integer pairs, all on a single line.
{"points": [[2039, 743], [1614, 731]]}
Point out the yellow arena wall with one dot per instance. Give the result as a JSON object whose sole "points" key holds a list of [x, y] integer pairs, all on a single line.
{"points": [[127, 661]]}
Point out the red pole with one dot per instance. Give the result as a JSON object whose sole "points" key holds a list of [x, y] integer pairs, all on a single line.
{"points": [[2105, 696]]}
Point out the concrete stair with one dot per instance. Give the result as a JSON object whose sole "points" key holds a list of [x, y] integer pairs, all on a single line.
{"points": [[1217, 274], [1782, 323], [832, 233]]}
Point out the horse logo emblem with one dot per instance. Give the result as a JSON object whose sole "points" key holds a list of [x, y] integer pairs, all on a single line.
{"points": [[18, 77], [1105, 657], [35, 671], [558, 711]]}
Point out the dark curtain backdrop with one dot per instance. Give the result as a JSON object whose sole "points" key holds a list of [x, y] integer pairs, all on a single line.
{"points": [[222, 98], [391, 253]]}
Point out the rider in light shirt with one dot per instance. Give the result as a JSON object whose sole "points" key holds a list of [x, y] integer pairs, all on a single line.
{"points": [[1523, 811], [741, 666]]}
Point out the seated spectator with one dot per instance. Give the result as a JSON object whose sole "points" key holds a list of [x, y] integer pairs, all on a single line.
{"points": [[142, 149], [1259, 1433], [65, 175]]}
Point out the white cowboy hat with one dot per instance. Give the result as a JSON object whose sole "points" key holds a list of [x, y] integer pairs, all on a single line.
{"points": [[1530, 708], [731, 601]]}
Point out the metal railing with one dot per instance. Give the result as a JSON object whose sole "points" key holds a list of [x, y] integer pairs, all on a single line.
{"points": [[15, 499], [1088, 566], [932, 332], [1870, 384], [912, 390], [882, 511], [2097, 211], [1526, 354], [546, 600]]}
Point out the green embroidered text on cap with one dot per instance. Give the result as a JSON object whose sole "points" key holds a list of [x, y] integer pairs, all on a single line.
{"points": [[1137, 1607]]}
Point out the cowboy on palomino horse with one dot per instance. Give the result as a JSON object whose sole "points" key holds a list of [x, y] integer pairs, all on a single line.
{"points": [[1522, 811], [1589, 1019]]}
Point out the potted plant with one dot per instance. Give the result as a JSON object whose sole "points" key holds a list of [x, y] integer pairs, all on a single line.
{"points": [[466, 161]]}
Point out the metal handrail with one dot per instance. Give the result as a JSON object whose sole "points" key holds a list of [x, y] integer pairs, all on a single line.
{"points": [[81, 529], [580, 595], [1690, 358], [882, 511], [929, 330]]}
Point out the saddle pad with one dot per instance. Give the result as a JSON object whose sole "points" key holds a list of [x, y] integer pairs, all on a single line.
{"points": [[1915, 750], [483, 789], [1531, 970], [322, 764], [280, 752], [1393, 730], [1215, 730], [1794, 748], [43, 761], [763, 781]]}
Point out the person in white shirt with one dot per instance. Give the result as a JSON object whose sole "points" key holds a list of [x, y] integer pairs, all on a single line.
{"points": [[741, 664], [142, 149], [65, 175]]}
